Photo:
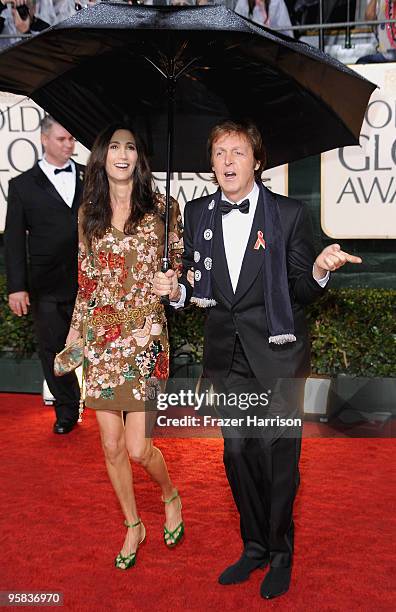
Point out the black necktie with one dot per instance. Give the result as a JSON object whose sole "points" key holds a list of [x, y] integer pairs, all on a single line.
{"points": [[227, 207], [67, 169]]}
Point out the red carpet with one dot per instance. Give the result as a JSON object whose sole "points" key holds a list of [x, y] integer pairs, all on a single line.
{"points": [[61, 525]]}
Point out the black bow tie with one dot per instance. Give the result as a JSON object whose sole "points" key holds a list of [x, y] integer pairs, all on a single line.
{"points": [[67, 169], [227, 207]]}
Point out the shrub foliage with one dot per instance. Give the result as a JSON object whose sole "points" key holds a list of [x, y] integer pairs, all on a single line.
{"points": [[353, 331]]}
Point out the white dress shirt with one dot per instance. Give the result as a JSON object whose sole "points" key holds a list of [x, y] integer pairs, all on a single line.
{"points": [[236, 232], [64, 182]]}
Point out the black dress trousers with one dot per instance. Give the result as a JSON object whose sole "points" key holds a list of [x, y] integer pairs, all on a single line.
{"points": [[261, 463], [52, 323]]}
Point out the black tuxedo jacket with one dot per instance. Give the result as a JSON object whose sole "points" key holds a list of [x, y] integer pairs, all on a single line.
{"points": [[243, 313], [41, 237]]}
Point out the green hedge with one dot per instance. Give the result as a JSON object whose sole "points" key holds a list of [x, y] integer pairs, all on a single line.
{"points": [[16, 333], [353, 331]]}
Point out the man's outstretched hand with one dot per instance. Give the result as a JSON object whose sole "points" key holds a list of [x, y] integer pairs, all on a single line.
{"points": [[332, 258]]}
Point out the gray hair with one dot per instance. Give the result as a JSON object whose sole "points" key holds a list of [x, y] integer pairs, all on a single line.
{"points": [[46, 124]]}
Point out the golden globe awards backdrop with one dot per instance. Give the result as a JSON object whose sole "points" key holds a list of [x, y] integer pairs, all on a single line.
{"points": [[358, 184], [21, 148]]}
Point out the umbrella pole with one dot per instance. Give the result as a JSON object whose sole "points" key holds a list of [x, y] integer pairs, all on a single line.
{"points": [[165, 263], [171, 78]]}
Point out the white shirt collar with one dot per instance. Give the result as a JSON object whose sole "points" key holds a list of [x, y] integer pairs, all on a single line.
{"points": [[49, 166], [252, 196]]}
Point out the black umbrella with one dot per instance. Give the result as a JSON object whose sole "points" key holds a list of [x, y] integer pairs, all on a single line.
{"points": [[177, 72]]}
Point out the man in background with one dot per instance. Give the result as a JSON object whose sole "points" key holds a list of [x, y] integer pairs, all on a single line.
{"points": [[41, 256]]}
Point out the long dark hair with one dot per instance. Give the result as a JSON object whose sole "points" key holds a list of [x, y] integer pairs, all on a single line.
{"points": [[252, 4], [96, 208]]}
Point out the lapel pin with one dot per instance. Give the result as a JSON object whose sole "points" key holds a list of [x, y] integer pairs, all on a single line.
{"points": [[260, 242]]}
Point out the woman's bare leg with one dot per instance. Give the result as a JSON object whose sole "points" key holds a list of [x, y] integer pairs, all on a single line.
{"points": [[112, 433], [141, 450]]}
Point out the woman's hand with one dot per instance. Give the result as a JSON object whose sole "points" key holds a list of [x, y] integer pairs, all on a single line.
{"points": [[166, 283], [72, 336]]}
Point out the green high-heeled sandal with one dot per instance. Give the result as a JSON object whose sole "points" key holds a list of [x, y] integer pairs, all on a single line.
{"points": [[172, 538], [128, 561]]}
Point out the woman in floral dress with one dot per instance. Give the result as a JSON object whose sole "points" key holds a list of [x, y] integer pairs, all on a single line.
{"points": [[121, 238]]}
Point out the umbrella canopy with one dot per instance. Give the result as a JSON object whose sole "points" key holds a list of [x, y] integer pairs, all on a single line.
{"points": [[197, 64]]}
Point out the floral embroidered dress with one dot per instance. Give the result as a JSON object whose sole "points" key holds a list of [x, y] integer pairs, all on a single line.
{"points": [[123, 322]]}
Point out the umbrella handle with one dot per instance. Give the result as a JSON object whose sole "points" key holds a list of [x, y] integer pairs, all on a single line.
{"points": [[165, 266]]}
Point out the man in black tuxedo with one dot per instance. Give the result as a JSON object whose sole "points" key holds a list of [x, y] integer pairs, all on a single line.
{"points": [[254, 269], [41, 256]]}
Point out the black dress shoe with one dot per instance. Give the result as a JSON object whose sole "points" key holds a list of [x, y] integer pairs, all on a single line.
{"points": [[276, 582], [61, 427], [241, 570]]}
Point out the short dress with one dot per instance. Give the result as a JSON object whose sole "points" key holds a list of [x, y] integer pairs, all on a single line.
{"points": [[122, 322]]}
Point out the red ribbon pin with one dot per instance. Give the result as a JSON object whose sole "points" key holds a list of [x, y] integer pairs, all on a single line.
{"points": [[260, 242]]}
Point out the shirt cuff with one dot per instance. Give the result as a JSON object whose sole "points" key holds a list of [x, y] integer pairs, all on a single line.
{"points": [[182, 299], [322, 282]]}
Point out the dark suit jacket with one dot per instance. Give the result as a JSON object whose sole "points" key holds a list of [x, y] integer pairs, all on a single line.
{"points": [[243, 313], [41, 237]]}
